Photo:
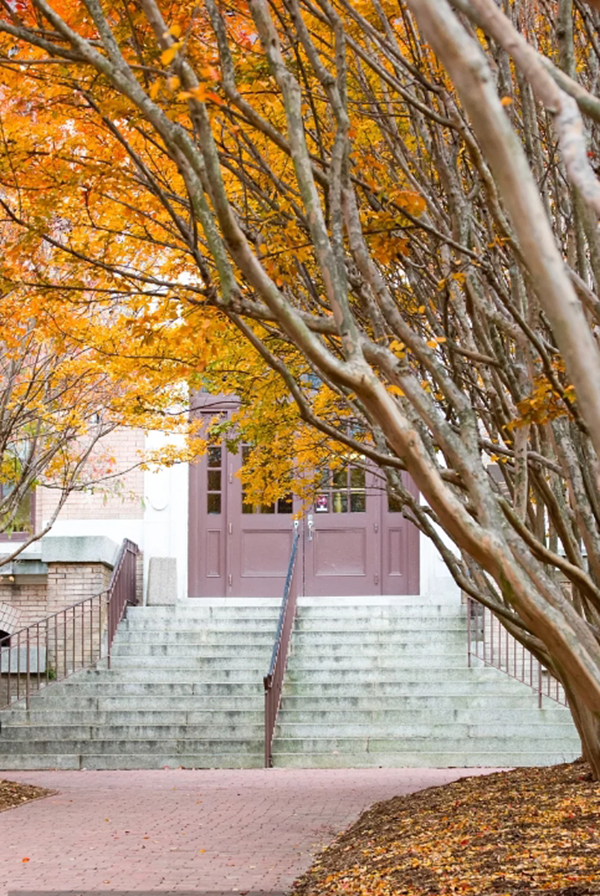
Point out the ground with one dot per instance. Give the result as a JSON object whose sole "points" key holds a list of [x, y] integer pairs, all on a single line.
{"points": [[183, 831], [529, 832]]}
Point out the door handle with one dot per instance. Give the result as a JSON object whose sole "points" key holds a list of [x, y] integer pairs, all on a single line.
{"points": [[310, 522]]}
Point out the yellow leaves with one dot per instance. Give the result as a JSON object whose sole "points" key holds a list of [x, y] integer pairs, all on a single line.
{"points": [[167, 56], [395, 390], [506, 101], [155, 89], [201, 94], [543, 404], [209, 72], [409, 201]]}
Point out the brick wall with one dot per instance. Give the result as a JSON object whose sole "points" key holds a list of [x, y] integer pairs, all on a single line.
{"points": [[120, 498], [67, 584], [29, 600]]}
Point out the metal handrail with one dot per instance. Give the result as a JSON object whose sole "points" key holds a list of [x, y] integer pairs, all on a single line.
{"points": [[489, 642], [70, 640], [273, 680]]}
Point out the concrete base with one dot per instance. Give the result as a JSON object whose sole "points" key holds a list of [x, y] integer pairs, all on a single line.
{"points": [[162, 582]]}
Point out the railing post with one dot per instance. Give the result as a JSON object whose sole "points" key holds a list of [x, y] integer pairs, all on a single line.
{"points": [[28, 672], [268, 682], [273, 680], [469, 631]]}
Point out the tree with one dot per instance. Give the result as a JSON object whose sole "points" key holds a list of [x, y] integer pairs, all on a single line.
{"points": [[395, 204], [61, 399]]}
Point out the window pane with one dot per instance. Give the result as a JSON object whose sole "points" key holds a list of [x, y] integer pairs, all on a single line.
{"points": [[214, 456], [23, 519], [246, 508], [340, 502], [357, 477], [340, 478], [214, 480], [357, 502], [246, 449], [267, 508], [213, 503], [285, 505]]}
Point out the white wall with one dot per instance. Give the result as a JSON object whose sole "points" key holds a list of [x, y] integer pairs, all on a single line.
{"points": [[166, 515], [161, 529]]}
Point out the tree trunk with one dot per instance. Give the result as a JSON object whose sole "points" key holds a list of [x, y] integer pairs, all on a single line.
{"points": [[588, 727]]}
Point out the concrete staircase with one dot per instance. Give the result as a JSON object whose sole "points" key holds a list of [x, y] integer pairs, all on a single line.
{"points": [[184, 689], [384, 682], [370, 682]]}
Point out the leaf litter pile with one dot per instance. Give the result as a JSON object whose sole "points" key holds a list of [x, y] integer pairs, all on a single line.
{"points": [[528, 832], [13, 794]]}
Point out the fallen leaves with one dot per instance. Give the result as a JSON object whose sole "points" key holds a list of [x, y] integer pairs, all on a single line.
{"points": [[13, 794], [529, 832]]}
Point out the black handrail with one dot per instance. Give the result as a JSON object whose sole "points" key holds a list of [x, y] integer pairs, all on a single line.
{"points": [[273, 680]]}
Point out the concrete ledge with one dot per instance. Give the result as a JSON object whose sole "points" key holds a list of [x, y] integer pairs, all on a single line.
{"points": [[26, 567], [162, 582], [79, 549]]}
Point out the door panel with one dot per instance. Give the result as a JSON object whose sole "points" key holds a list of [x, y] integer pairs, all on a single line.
{"points": [[207, 519], [259, 539], [400, 543], [340, 552], [264, 553], [341, 541]]}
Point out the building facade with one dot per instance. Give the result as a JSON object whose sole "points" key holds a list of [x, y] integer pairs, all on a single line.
{"points": [[352, 541]]}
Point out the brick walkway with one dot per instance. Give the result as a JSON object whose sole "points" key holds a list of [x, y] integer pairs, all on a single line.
{"points": [[186, 831]]}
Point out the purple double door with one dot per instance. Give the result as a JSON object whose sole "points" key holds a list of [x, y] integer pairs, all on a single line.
{"points": [[352, 541]]}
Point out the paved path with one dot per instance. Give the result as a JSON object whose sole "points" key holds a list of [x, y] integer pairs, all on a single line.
{"points": [[183, 831]]}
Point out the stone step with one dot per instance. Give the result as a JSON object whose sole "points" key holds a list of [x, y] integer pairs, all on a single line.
{"points": [[376, 659], [132, 747], [222, 666], [439, 636], [31, 735], [388, 729], [416, 602], [390, 744], [382, 623], [242, 714], [429, 704], [442, 675], [112, 687], [181, 624], [233, 652], [147, 759], [208, 610], [145, 703], [207, 636], [466, 758], [334, 717], [155, 673]]}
